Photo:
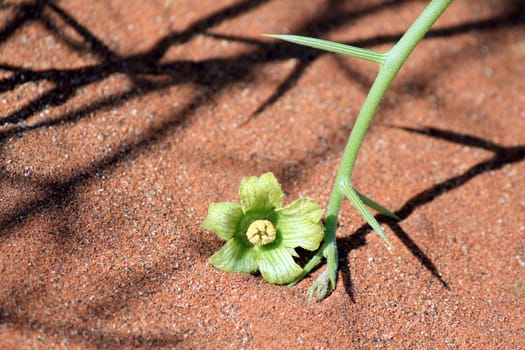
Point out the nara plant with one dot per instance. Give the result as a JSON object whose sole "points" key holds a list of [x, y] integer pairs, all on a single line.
{"points": [[266, 242]]}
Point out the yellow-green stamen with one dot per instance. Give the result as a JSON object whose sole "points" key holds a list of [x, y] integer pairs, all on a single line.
{"points": [[261, 232]]}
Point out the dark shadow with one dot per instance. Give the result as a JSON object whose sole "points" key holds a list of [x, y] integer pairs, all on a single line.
{"points": [[90, 40], [418, 253], [345, 246], [515, 17], [25, 13], [502, 156]]}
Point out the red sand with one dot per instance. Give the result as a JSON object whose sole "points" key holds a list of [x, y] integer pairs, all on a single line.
{"points": [[122, 121]]}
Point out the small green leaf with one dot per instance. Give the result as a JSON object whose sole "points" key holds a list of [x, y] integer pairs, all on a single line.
{"points": [[300, 224], [277, 265], [235, 256], [261, 193], [349, 192], [223, 219]]}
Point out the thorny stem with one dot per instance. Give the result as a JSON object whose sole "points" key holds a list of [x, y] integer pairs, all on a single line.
{"points": [[390, 63]]}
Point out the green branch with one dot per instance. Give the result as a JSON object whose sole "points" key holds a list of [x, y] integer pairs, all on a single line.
{"points": [[390, 63]]}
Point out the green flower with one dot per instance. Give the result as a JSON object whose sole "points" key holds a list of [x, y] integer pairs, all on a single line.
{"points": [[260, 234]]}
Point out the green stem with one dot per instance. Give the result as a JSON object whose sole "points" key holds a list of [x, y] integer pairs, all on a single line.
{"points": [[393, 60]]}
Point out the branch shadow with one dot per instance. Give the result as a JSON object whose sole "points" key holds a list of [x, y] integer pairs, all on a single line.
{"points": [[67, 82], [502, 156], [515, 16], [61, 192], [25, 13]]}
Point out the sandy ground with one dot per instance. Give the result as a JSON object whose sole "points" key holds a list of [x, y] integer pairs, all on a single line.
{"points": [[121, 121]]}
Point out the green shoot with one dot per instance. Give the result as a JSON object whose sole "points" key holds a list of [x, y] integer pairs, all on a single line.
{"points": [[390, 63]]}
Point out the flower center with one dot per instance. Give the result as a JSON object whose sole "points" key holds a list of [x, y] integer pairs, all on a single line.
{"points": [[261, 232]]}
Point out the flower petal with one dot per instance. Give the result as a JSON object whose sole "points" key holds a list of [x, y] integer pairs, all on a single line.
{"points": [[223, 219], [277, 265], [261, 193], [235, 256], [300, 224]]}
